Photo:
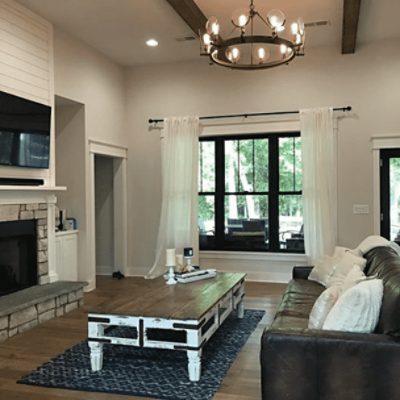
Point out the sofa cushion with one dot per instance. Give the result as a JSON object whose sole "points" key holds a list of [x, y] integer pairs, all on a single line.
{"points": [[289, 323], [385, 264], [299, 298]]}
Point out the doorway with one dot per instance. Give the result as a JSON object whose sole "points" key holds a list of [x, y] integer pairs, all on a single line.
{"points": [[104, 214], [108, 209]]}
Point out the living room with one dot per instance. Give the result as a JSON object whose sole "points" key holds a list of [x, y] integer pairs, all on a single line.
{"points": [[103, 85]]}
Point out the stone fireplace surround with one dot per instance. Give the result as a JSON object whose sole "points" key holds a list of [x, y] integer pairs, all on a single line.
{"points": [[22, 310], [38, 211]]}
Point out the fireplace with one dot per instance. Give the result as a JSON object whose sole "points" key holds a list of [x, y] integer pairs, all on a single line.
{"points": [[18, 255]]}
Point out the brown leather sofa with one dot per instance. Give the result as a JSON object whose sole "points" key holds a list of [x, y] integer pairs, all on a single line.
{"points": [[302, 364]]}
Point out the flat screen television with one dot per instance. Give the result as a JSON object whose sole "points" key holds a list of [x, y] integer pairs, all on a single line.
{"points": [[24, 132]]}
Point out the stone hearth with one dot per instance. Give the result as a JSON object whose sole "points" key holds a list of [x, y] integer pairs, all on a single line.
{"points": [[23, 310]]}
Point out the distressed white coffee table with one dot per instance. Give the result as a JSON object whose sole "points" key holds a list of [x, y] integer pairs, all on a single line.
{"points": [[179, 317]]}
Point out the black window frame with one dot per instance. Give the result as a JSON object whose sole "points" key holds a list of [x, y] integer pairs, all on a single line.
{"points": [[385, 155], [273, 192]]}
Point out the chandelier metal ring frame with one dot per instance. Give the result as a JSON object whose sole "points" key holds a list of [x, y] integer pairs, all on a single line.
{"points": [[253, 51]]}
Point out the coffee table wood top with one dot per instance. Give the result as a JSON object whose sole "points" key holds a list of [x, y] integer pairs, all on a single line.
{"points": [[154, 298]]}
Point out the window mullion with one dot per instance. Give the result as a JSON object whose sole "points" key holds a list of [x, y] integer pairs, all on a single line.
{"points": [[220, 191], [273, 203]]}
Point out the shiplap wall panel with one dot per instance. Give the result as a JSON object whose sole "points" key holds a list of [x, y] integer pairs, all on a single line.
{"points": [[27, 70], [21, 43], [25, 53], [35, 37], [25, 77], [14, 17], [19, 54], [22, 65]]}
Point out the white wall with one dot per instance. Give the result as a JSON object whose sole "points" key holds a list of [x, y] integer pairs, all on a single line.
{"points": [[368, 81], [85, 76], [70, 167], [104, 200]]}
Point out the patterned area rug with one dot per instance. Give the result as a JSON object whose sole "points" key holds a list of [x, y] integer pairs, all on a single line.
{"points": [[161, 374]]}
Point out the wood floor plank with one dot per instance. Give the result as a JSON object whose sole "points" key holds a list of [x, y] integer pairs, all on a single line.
{"points": [[23, 353]]}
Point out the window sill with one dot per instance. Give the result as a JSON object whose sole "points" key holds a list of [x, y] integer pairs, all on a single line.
{"points": [[253, 256]]}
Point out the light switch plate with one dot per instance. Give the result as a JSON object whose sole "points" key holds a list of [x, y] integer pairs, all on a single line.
{"points": [[360, 209]]}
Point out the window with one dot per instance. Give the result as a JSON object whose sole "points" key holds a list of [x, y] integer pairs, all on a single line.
{"points": [[250, 195], [390, 194]]}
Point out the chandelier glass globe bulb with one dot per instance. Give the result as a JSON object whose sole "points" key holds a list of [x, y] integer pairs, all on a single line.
{"points": [[283, 48], [212, 26], [215, 29], [240, 17], [261, 53], [206, 39], [233, 55], [295, 28], [276, 19], [300, 24]]}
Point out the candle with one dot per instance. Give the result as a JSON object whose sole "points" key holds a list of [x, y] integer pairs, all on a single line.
{"points": [[170, 258], [179, 262]]}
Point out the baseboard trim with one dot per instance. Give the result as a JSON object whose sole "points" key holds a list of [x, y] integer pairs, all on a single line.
{"points": [[137, 271], [252, 275], [104, 269]]}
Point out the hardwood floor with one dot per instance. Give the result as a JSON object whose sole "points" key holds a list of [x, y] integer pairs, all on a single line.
{"points": [[23, 353]]}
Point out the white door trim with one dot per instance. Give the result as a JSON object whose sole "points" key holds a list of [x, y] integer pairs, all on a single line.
{"points": [[379, 142], [120, 155]]}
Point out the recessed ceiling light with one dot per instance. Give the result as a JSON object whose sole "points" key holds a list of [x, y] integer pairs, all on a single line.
{"points": [[152, 42]]}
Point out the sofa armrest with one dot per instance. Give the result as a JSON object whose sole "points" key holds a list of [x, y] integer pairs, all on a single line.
{"points": [[301, 272], [326, 365]]}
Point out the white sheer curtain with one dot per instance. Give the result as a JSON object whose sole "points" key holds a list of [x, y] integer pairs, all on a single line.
{"points": [[178, 221], [319, 153]]}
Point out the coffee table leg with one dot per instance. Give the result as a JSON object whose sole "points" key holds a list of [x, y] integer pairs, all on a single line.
{"points": [[194, 365], [240, 309], [96, 355]]}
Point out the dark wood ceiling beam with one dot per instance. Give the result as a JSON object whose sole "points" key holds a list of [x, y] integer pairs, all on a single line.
{"points": [[351, 15], [190, 13]]}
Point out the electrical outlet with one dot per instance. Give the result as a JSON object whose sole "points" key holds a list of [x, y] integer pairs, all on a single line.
{"points": [[360, 209]]}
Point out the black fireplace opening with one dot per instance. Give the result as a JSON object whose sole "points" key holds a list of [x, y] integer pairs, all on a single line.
{"points": [[18, 255]]}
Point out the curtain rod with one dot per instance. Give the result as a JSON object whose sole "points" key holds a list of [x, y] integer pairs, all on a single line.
{"points": [[344, 109]]}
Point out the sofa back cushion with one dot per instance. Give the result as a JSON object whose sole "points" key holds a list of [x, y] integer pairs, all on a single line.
{"points": [[385, 264]]}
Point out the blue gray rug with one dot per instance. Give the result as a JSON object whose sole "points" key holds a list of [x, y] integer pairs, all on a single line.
{"points": [[161, 374]]}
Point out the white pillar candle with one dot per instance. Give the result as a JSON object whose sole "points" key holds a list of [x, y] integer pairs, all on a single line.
{"points": [[170, 258], [179, 262]]}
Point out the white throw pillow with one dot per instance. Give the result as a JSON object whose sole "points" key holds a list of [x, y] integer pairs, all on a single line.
{"points": [[343, 267], [322, 306], [323, 270], [370, 242], [358, 309], [352, 278], [340, 251]]}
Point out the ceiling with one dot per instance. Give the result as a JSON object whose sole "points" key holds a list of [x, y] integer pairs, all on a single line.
{"points": [[119, 28]]}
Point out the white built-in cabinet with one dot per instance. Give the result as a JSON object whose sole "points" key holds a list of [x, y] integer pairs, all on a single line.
{"points": [[66, 256]]}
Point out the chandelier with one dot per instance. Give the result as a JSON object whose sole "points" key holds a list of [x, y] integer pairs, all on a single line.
{"points": [[249, 49]]}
